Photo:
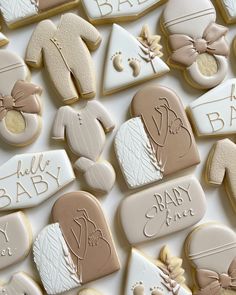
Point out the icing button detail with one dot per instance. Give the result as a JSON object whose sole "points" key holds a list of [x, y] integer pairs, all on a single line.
{"points": [[225, 281], [201, 45]]}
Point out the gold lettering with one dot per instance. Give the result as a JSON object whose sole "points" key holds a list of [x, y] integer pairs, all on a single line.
{"points": [[4, 198], [121, 2], [19, 187], [39, 182], [56, 177], [4, 232], [232, 115], [104, 7], [142, 1], [214, 119]]}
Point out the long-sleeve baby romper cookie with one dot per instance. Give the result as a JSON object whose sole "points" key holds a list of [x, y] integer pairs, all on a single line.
{"points": [[64, 50], [20, 106], [197, 43], [211, 250], [85, 131]]}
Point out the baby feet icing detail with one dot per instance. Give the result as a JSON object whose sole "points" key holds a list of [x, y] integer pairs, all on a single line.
{"points": [[138, 289], [156, 291], [117, 62], [135, 65]]}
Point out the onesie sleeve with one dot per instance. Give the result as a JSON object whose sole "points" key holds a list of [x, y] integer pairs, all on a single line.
{"points": [[102, 115], [60, 122]]}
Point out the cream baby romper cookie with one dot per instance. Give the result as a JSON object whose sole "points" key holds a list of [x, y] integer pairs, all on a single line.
{"points": [[211, 250], [162, 209], [27, 180], [228, 10], [221, 168], [150, 277], [15, 238], [64, 50], [85, 131], [20, 106], [19, 284], [132, 60], [108, 11], [77, 247], [214, 113], [158, 140], [197, 43]]}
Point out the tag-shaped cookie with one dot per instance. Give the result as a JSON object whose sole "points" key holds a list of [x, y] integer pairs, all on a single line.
{"points": [[27, 180], [227, 9], [197, 43], [164, 277], [15, 238], [211, 250], [162, 209], [78, 247], [108, 11], [20, 106], [132, 60], [214, 113], [158, 140], [221, 167], [19, 284]]}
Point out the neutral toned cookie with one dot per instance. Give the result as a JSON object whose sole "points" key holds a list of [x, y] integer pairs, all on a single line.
{"points": [[162, 277], [64, 51], [211, 250], [89, 292], [227, 9], [15, 238], [214, 113], [27, 180], [77, 247], [221, 168], [197, 44], [158, 140], [131, 60], [162, 209], [20, 105], [20, 283]]}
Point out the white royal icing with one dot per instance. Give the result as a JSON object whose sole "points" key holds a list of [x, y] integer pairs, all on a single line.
{"points": [[230, 7], [130, 49], [29, 179], [214, 113], [53, 261]]}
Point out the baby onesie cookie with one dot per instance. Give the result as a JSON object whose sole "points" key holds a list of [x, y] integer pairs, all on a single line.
{"points": [[20, 106], [162, 209], [19, 284], [211, 250], [221, 168], [15, 238], [214, 113], [108, 11], [77, 247], [132, 60], [228, 10], [197, 43], [158, 140], [64, 50], [18, 13], [150, 277], [27, 180]]}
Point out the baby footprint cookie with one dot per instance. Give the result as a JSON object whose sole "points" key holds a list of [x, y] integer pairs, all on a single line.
{"points": [[132, 60], [197, 44], [211, 250], [149, 277], [157, 140], [77, 247], [20, 106]]}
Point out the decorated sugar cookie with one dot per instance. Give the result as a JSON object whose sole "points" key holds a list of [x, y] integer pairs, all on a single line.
{"points": [[89, 292], [15, 239], [197, 44], [27, 180], [109, 11], [19, 284], [162, 209], [228, 10], [162, 277], [132, 60], [77, 247], [211, 250], [158, 140], [20, 106], [64, 50], [214, 113], [221, 167]]}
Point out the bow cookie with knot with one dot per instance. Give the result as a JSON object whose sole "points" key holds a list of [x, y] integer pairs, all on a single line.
{"points": [[212, 283], [22, 99], [186, 49]]}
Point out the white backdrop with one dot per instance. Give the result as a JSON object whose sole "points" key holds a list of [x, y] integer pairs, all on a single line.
{"points": [[219, 208]]}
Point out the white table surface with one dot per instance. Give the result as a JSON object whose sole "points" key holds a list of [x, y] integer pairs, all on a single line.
{"points": [[219, 208]]}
